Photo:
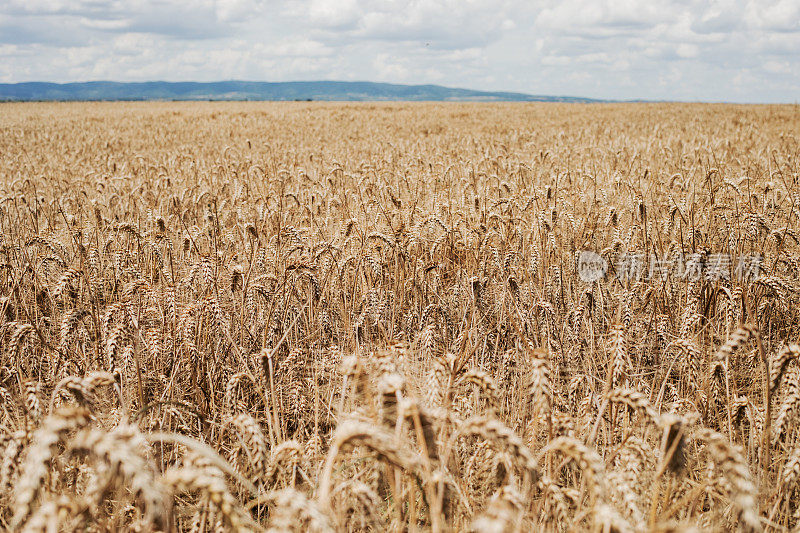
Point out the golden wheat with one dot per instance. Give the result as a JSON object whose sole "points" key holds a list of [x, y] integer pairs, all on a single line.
{"points": [[368, 317]]}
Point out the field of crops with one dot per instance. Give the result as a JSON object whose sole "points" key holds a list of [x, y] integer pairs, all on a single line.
{"points": [[402, 317]]}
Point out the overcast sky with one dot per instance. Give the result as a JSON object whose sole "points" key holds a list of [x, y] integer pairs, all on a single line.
{"points": [[743, 51]]}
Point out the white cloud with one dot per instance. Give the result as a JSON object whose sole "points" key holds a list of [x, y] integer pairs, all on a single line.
{"points": [[743, 50], [777, 67], [334, 13], [237, 10], [295, 48], [105, 24], [388, 68], [783, 15], [687, 51], [722, 16], [603, 18]]}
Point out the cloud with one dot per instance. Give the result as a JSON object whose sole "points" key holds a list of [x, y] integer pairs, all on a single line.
{"points": [[781, 16], [739, 50], [441, 24], [718, 17], [332, 14], [606, 17], [85, 20]]}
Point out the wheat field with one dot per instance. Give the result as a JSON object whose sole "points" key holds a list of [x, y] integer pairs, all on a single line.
{"points": [[378, 317]]}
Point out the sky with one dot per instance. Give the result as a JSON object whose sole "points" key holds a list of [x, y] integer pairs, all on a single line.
{"points": [[728, 50]]}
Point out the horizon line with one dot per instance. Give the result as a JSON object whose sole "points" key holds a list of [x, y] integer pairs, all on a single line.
{"points": [[554, 98]]}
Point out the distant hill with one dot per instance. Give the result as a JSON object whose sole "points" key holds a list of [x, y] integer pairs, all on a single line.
{"points": [[255, 90]]}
